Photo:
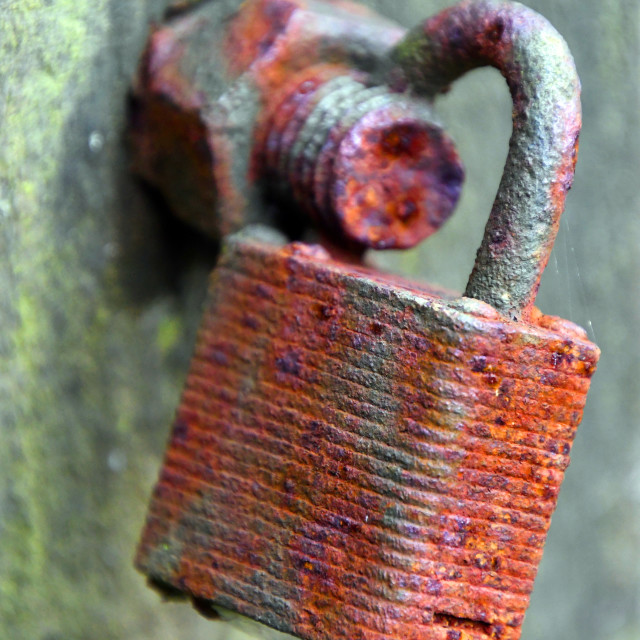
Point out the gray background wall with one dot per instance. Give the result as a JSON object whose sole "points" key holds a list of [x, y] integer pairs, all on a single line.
{"points": [[99, 302]]}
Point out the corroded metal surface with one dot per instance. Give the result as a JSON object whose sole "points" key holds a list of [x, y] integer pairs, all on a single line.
{"points": [[369, 164], [211, 135], [192, 153], [354, 458], [541, 75]]}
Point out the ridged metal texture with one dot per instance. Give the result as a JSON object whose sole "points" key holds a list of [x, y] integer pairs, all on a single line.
{"points": [[356, 458]]}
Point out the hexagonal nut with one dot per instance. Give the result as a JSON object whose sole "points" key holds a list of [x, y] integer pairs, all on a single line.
{"points": [[203, 80]]}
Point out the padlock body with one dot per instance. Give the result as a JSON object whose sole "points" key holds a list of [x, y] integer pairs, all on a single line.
{"points": [[354, 457]]}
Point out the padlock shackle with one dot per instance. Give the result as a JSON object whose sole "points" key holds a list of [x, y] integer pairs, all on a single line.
{"points": [[537, 65]]}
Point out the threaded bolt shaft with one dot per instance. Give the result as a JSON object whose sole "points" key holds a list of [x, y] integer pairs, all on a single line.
{"points": [[368, 163]]}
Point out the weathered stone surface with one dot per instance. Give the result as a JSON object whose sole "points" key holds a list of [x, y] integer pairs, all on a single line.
{"points": [[100, 296], [97, 317]]}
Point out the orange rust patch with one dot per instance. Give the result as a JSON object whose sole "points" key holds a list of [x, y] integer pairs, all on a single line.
{"points": [[254, 30]]}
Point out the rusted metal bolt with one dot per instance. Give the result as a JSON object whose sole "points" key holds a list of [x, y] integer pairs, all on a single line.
{"points": [[369, 165]]}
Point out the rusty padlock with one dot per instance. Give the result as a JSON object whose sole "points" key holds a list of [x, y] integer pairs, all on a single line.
{"points": [[358, 457]]}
